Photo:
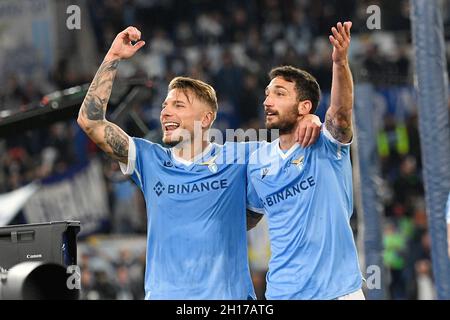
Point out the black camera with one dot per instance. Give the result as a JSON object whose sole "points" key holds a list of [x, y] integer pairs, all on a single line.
{"points": [[35, 259]]}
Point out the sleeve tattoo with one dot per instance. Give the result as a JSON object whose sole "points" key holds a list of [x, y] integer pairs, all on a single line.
{"points": [[339, 124], [117, 141], [112, 139], [94, 105]]}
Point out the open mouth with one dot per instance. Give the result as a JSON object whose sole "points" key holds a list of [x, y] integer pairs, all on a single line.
{"points": [[170, 126], [270, 114]]}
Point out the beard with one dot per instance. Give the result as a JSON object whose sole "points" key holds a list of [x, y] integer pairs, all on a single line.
{"points": [[287, 122], [176, 139], [172, 143]]}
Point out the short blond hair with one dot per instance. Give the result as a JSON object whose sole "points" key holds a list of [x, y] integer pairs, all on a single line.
{"points": [[202, 90]]}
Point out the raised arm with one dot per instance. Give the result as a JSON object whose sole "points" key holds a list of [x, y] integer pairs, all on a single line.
{"points": [[91, 117], [338, 119]]}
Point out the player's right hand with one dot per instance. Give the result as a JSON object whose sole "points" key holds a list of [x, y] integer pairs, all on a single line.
{"points": [[122, 47]]}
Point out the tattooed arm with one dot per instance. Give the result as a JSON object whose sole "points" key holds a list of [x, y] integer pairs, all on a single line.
{"points": [[91, 117], [338, 119]]}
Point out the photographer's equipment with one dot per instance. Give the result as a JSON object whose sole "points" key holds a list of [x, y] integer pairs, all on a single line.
{"points": [[48, 242]]}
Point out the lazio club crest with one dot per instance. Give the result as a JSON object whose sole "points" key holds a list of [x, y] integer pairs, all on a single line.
{"points": [[298, 162], [211, 163]]}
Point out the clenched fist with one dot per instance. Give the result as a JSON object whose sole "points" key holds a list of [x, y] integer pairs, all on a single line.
{"points": [[122, 47]]}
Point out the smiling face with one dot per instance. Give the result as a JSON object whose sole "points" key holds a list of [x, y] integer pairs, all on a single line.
{"points": [[180, 110]]}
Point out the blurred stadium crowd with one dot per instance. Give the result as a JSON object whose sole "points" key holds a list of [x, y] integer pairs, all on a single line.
{"points": [[232, 45]]}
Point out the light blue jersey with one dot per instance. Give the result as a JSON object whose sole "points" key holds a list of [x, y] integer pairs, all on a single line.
{"points": [[196, 234], [307, 196]]}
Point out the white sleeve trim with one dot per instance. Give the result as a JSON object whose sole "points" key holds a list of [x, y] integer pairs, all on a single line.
{"points": [[257, 210], [328, 135], [128, 169]]}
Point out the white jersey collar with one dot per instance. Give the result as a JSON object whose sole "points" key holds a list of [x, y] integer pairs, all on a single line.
{"points": [[285, 155], [193, 160]]}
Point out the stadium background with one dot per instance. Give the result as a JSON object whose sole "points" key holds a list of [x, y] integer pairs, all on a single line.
{"points": [[232, 45]]}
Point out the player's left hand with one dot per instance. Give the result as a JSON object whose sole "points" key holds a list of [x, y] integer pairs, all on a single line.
{"points": [[340, 41], [308, 130]]}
